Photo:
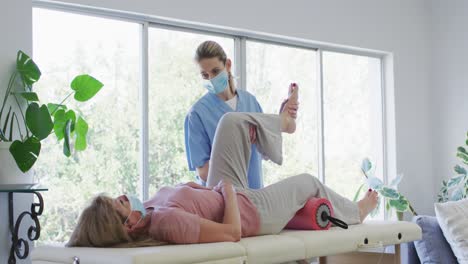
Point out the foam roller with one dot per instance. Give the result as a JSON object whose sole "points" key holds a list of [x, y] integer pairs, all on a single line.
{"points": [[317, 214]]}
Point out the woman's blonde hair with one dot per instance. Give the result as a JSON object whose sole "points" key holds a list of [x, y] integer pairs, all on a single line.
{"points": [[100, 225], [211, 49]]}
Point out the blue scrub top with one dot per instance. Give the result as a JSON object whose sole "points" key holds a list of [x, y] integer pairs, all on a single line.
{"points": [[200, 126]]}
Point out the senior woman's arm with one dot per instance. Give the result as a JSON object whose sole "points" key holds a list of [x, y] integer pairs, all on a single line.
{"points": [[175, 225], [230, 229]]}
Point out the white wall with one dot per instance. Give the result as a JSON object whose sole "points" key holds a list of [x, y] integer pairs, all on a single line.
{"points": [[398, 26], [449, 82], [15, 33]]}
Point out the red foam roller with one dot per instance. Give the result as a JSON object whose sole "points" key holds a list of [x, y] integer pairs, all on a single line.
{"points": [[309, 217]]}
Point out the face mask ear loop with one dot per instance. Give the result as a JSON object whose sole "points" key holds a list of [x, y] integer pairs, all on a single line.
{"points": [[231, 82], [126, 220], [141, 218]]}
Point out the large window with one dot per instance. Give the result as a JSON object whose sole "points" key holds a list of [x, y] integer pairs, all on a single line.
{"points": [[270, 70], [66, 45], [339, 123], [352, 103], [174, 85]]}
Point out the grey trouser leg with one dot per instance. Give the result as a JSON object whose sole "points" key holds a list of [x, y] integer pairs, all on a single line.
{"points": [[277, 203], [231, 146]]}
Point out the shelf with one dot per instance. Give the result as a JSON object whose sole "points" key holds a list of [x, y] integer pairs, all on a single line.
{"points": [[22, 188]]}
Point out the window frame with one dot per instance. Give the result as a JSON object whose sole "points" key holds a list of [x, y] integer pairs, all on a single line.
{"points": [[240, 37]]}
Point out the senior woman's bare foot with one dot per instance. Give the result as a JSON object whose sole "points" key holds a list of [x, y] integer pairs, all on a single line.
{"points": [[288, 122], [367, 204]]}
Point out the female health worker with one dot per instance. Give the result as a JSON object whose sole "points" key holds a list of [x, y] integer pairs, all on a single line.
{"points": [[222, 97]]}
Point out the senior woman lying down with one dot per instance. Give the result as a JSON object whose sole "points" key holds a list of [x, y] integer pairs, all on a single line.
{"points": [[227, 209]]}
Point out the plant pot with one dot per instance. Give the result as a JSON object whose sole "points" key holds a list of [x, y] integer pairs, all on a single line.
{"points": [[9, 171]]}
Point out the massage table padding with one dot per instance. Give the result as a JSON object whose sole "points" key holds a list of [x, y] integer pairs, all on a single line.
{"points": [[289, 245]]}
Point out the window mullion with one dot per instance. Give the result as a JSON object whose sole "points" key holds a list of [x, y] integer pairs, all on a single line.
{"points": [[240, 61], [387, 214], [320, 119], [144, 131]]}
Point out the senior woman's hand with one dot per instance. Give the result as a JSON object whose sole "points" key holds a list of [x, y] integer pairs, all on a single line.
{"points": [[230, 229], [224, 186]]}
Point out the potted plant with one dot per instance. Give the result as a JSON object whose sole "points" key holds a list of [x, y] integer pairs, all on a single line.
{"points": [[25, 122], [393, 199], [456, 188]]}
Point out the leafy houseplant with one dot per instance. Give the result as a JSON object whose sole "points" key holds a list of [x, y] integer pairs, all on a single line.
{"points": [[456, 188], [393, 198], [41, 120]]}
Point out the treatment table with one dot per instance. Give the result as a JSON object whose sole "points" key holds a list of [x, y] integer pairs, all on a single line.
{"points": [[289, 245]]}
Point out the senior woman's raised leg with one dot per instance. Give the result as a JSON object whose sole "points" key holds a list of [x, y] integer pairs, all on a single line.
{"points": [[232, 145]]}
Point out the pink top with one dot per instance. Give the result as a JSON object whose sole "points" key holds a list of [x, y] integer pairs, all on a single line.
{"points": [[177, 213]]}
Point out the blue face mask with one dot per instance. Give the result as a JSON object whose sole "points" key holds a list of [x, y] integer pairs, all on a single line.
{"points": [[136, 205], [218, 84]]}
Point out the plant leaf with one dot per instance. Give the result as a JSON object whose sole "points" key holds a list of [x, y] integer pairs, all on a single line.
{"points": [[30, 96], [38, 120], [396, 181], [442, 198], [374, 183], [462, 150], [389, 193], [60, 119], [70, 114], [27, 69], [85, 87], [81, 130], [6, 120], [59, 123], [454, 181], [25, 153], [457, 194], [54, 107], [366, 166], [401, 204], [2, 136], [463, 156], [13, 116], [66, 143], [460, 170]]}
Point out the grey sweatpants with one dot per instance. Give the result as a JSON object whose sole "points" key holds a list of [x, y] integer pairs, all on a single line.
{"points": [[276, 203]]}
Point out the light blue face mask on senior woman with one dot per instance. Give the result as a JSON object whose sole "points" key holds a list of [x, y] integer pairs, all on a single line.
{"points": [[136, 205], [217, 84]]}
